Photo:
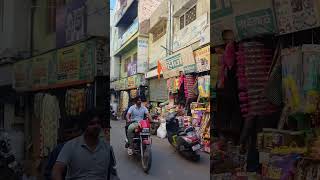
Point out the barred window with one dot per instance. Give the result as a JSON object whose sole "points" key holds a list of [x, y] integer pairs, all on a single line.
{"points": [[188, 17], [191, 15], [182, 22], [159, 32]]}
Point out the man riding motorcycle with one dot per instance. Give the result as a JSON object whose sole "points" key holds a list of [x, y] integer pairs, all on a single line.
{"points": [[136, 113]]}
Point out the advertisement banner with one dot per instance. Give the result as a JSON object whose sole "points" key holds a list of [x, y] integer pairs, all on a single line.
{"points": [[202, 58], [142, 55], [75, 63], [296, 15], [131, 82], [22, 77], [71, 23], [39, 71], [132, 68]]}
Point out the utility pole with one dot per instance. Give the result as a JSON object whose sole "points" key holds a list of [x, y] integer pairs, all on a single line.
{"points": [[170, 29]]}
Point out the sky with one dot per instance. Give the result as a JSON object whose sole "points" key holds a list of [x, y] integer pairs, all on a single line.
{"points": [[112, 3]]}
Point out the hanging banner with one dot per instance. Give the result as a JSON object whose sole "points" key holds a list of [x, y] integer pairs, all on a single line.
{"points": [[202, 58], [142, 55], [296, 15], [22, 79], [132, 68], [71, 23], [131, 82]]}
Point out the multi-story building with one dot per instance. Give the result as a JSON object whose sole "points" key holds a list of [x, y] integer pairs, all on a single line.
{"points": [[177, 27], [15, 44], [131, 22]]}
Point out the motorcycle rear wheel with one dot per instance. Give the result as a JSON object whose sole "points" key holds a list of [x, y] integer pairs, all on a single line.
{"points": [[146, 160]]}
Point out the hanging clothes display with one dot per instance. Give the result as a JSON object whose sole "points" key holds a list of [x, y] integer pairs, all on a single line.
{"points": [[190, 82], [75, 101], [47, 110]]}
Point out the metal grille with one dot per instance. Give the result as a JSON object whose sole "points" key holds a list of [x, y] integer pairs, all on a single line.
{"points": [[191, 15]]}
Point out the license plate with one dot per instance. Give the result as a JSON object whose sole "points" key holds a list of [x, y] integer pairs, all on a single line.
{"points": [[196, 147]]}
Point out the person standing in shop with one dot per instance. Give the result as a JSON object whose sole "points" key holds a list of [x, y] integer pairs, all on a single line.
{"points": [[135, 113], [88, 156]]}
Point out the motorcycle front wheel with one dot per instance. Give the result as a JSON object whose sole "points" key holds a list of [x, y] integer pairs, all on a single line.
{"points": [[146, 159]]}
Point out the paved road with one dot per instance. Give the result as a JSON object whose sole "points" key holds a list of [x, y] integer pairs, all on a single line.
{"points": [[166, 164]]}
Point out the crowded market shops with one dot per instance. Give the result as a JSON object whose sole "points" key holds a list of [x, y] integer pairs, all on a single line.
{"points": [[186, 76], [126, 89], [267, 97], [56, 87]]}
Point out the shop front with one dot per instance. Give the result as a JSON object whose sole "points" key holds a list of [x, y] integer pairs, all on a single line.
{"points": [[187, 76], [57, 87], [129, 88]]}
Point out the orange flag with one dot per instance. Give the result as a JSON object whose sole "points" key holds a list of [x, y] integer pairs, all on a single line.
{"points": [[159, 69]]}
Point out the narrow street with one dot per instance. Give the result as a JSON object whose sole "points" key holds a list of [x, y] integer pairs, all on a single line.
{"points": [[166, 164]]}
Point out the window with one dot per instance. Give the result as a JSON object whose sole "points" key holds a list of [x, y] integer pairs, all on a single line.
{"points": [[182, 22], [188, 17], [1, 15]]}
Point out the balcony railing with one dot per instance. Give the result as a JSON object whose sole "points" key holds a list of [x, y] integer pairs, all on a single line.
{"points": [[132, 30], [130, 10]]}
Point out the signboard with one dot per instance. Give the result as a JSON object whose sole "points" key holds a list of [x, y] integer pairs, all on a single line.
{"points": [[71, 22], [39, 71], [202, 58], [132, 68], [251, 21], [255, 23], [142, 55], [296, 15], [131, 82], [191, 33], [181, 61], [189, 65], [75, 63], [22, 75]]}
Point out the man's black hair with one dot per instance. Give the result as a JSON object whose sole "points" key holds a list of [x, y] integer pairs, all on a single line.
{"points": [[88, 115]]}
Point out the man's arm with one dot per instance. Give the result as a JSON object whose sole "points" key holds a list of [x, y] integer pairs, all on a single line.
{"points": [[58, 170], [62, 161], [129, 114]]}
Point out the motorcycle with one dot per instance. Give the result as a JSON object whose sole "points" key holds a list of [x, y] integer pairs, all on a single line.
{"points": [[184, 140], [10, 169], [142, 144]]}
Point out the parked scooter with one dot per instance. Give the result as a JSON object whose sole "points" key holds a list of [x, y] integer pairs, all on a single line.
{"points": [[184, 140]]}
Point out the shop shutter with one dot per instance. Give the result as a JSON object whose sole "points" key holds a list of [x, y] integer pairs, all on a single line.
{"points": [[158, 90]]}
